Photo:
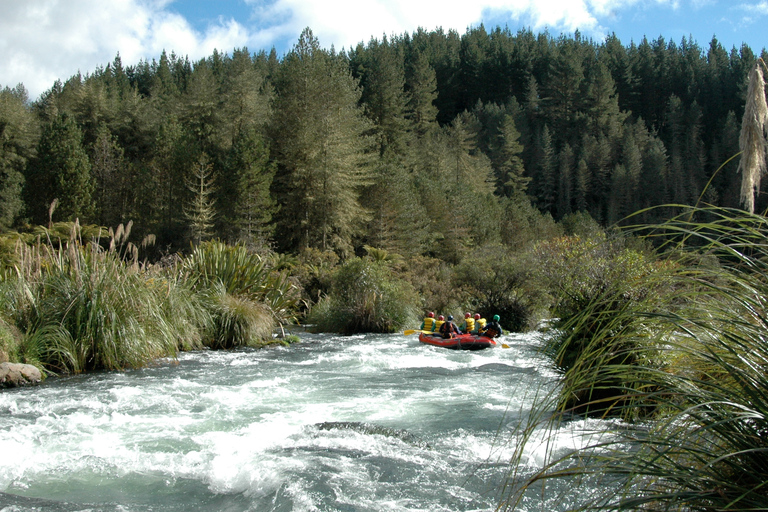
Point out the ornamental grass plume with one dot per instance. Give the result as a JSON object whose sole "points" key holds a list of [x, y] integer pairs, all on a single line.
{"points": [[752, 141]]}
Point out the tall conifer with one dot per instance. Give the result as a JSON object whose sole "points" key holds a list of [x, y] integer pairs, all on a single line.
{"points": [[321, 150]]}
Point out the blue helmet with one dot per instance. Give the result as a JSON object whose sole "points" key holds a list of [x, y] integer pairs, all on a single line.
{"points": [[450, 317]]}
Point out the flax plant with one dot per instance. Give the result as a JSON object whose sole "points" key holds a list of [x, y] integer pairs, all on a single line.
{"points": [[245, 297], [694, 358]]}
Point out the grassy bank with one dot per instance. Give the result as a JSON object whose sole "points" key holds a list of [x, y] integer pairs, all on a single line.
{"points": [[71, 306]]}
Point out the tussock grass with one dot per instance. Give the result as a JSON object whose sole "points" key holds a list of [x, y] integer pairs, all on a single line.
{"points": [[244, 296], [83, 308], [693, 356]]}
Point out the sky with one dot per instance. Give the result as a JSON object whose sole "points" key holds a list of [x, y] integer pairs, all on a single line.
{"points": [[45, 40]]}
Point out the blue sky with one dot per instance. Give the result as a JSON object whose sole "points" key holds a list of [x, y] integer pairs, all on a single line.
{"points": [[45, 40]]}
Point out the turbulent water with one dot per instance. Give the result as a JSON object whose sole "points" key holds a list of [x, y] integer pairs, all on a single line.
{"points": [[361, 423]]}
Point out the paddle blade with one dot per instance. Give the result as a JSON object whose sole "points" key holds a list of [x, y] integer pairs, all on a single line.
{"points": [[410, 331]]}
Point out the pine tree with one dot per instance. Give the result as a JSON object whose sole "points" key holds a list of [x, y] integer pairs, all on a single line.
{"points": [[399, 222], [510, 179], [61, 171], [201, 110], [544, 181], [581, 190], [244, 196], [322, 153], [422, 92], [201, 212], [109, 171], [565, 181], [246, 96], [563, 90], [383, 94], [17, 133]]}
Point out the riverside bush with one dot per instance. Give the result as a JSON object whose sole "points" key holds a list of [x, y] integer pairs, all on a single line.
{"points": [[593, 281], [364, 297], [705, 448], [82, 308], [495, 281]]}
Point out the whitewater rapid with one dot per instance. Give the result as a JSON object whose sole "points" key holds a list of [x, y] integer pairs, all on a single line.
{"points": [[356, 423]]}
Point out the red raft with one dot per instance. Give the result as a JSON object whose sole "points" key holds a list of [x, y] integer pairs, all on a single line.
{"points": [[460, 342]]}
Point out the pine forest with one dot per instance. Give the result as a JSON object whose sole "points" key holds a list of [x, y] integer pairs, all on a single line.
{"points": [[429, 143]]}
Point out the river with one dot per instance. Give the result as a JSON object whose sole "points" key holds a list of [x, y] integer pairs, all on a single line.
{"points": [[355, 423]]}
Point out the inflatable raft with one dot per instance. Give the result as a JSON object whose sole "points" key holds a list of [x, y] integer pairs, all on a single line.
{"points": [[460, 342]]}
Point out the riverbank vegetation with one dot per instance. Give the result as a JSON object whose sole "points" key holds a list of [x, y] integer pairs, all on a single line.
{"points": [[680, 354]]}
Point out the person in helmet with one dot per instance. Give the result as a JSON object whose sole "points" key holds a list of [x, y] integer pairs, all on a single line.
{"points": [[449, 329], [468, 325], [480, 324], [429, 323], [493, 329], [440, 321]]}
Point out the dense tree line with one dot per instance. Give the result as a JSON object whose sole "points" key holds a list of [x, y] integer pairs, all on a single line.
{"points": [[425, 143]]}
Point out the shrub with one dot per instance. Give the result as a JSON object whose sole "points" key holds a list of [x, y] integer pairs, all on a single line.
{"points": [[235, 320], [245, 298], [82, 308], [365, 297], [433, 281], [595, 282], [495, 281]]}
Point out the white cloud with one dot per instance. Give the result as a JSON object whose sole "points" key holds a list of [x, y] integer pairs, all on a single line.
{"points": [[344, 23], [348, 22], [758, 8], [45, 40]]}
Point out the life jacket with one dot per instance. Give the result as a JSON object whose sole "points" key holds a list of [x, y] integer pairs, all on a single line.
{"points": [[438, 323], [480, 324], [469, 324], [448, 330], [429, 324], [492, 331]]}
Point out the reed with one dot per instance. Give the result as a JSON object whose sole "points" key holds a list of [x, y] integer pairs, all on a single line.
{"points": [[752, 139], [694, 357], [83, 308]]}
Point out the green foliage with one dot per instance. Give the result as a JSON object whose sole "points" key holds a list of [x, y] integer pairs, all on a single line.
{"points": [[245, 298], [236, 320], [433, 280], [493, 281], [62, 171], [17, 134], [364, 297], [320, 141], [81, 308], [200, 213], [693, 353], [245, 202], [592, 281], [10, 342], [315, 273]]}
